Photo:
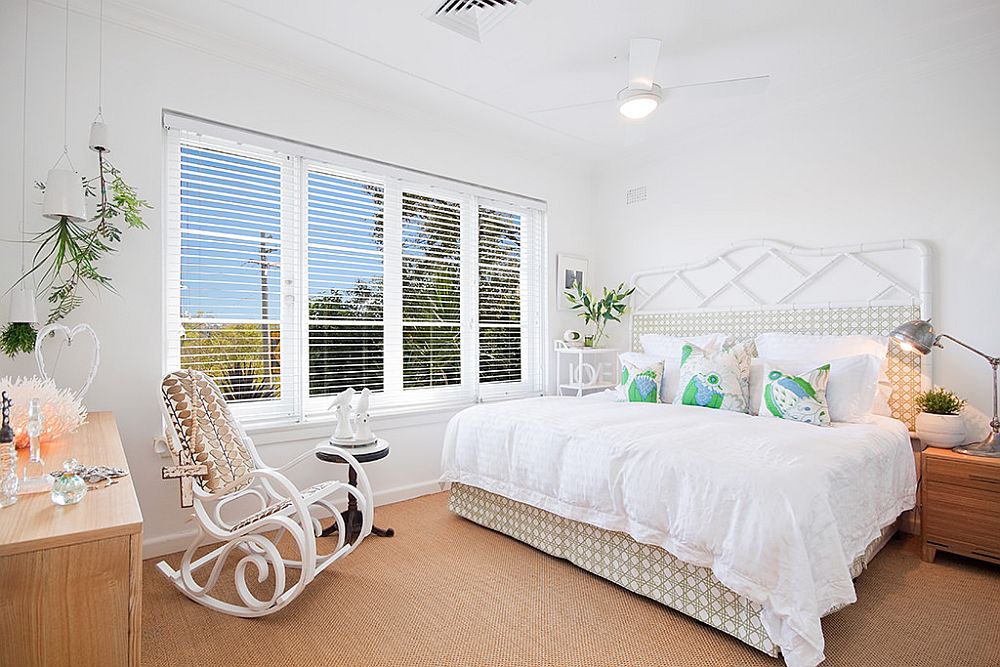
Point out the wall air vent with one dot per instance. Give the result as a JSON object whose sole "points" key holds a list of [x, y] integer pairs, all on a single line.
{"points": [[471, 18], [635, 195]]}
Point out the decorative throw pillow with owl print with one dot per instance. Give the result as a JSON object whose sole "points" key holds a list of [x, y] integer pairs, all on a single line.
{"points": [[800, 398], [719, 381], [641, 381]]}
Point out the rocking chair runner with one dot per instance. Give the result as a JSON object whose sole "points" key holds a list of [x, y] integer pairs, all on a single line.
{"points": [[209, 442]]}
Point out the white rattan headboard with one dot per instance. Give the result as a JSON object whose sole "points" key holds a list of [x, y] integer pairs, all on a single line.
{"points": [[764, 285]]}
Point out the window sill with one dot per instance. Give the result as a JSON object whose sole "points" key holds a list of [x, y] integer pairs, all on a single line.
{"points": [[320, 427]]}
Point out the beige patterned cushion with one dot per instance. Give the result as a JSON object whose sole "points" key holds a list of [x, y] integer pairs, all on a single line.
{"points": [[315, 489], [207, 429]]}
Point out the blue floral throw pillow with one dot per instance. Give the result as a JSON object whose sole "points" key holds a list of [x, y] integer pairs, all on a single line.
{"points": [[641, 382], [800, 398], [718, 381]]}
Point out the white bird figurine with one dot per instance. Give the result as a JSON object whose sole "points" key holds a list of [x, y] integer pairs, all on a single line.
{"points": [[344, 433], [363, 434]]}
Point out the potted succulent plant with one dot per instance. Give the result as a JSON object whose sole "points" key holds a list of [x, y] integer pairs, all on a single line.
{"points": [[939, 423]]}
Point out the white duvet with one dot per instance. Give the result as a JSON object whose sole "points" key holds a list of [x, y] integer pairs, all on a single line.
{"points": [[778, 510]]}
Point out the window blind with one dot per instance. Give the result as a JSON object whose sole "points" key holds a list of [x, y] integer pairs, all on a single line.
{"points": [[290, 278]]}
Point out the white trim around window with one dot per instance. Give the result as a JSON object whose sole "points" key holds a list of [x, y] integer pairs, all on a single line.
{"points": [[293, 272]]}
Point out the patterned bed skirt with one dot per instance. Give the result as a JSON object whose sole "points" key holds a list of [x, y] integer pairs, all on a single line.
{"points": [[641, 568]]}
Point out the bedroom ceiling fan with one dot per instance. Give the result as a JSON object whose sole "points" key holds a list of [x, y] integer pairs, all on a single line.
{"points": [[642, 95]]}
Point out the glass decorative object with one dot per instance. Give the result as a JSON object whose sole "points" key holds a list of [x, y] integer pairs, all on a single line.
{"points": [[33, 476], [8, 456], [68, 488]]}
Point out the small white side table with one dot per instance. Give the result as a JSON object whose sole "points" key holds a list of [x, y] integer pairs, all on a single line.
{"points": [[589, 369]]}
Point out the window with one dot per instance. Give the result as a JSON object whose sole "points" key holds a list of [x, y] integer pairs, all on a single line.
{"points": [[294, 273]]}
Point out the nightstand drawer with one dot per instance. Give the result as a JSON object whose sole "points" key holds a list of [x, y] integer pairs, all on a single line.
{"points": [[963, 473], [962, 514]]}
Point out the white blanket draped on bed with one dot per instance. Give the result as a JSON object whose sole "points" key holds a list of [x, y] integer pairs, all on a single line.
{"points": [[778, 510]]}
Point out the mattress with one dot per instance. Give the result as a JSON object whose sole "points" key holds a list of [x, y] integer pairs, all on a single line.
{"points": [[777, 511], [641, 568]]}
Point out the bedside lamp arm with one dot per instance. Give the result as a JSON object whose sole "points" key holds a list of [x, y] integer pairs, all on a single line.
{"points": [[994, 362]]}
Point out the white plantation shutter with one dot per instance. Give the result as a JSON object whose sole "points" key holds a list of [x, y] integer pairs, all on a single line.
{"points": [[345, 275], [432, 298], [293, 273]]}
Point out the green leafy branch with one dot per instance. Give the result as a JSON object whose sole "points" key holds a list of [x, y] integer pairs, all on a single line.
{"points": [[940, 402], [599, 311]]}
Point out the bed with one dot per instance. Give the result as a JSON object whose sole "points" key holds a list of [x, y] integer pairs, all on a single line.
{"points": [[755, 526]]}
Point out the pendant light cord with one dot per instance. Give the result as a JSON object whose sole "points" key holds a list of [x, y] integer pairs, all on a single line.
{"points": [[66, 87]]}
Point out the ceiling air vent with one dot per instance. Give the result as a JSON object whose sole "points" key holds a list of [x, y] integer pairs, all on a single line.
{"points": [[635, 195], [472, 18]]}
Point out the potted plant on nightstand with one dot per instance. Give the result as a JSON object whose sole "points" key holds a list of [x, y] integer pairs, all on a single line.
{"points": [[940, 424]]}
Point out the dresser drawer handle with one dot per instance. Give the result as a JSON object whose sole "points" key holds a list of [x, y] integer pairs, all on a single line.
{"points": [[977, 478]]}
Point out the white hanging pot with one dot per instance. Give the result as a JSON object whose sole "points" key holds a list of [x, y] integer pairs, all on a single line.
{"points": [[22, 305], [100, 138], [64, 196], [945, 431]]}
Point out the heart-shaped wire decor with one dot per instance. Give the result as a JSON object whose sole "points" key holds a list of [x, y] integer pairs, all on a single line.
{"points": [[69, 335]]}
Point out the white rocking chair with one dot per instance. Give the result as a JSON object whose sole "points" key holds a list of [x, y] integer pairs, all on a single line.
{"points": [[209, 444]]}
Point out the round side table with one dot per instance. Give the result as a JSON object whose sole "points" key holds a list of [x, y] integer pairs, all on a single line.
{"points": [[352, 515]]}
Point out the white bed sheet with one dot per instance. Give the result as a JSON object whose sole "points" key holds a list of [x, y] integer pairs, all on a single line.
{"points": [[777, 509]]}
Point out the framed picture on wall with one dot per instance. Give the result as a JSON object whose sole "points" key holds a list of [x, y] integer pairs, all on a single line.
{"points": [[570, 269]]}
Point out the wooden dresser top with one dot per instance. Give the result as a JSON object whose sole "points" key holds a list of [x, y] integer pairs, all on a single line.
{"points": [[35, 522]]}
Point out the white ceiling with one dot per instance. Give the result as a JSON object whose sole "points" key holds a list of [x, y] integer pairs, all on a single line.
{"points": [[557, 52]]}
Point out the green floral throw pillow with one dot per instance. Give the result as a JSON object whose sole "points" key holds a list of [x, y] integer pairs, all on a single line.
{"points": [[800, 398], [719, 381], [641, 382]]}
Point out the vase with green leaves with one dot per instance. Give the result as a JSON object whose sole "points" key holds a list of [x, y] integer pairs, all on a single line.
{"points": [[940, 422], [599, 311]]}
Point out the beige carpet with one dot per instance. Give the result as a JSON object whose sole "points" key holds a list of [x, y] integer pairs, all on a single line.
{"points": [[447, 592]]}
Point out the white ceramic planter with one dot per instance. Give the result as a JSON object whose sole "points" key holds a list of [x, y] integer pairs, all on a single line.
{"points": [[945, 431]]}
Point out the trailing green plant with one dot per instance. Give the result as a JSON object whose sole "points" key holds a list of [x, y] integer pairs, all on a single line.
{"points": [[69, 254], [940, 402], [599, 311], [17, 337]]}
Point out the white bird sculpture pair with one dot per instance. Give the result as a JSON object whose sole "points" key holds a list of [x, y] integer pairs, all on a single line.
{"points": [[356, 434]]}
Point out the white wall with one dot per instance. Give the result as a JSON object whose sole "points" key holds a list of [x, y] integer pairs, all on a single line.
{"points": [[148, 70], [906, 147]]}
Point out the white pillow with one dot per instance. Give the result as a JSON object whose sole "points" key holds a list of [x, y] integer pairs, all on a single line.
{"points": [[777, 345], [668, 349], [850, 388]]}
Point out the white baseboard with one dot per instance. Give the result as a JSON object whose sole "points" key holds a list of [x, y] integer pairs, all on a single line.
{"points": [[161, 545]]}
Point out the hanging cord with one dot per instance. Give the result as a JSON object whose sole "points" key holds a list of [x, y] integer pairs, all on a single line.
{"points": [[24, 134], [65, 153], [100, 62]]}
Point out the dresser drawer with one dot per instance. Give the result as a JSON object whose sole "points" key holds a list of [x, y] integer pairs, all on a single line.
{"points": [[961, 514], [963, 473]]}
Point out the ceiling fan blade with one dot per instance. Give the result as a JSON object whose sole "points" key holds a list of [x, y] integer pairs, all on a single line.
{"points": [[643, 54], [578, 105], [736, 86]]}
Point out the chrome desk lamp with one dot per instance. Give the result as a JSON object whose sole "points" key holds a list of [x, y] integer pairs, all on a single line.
{"points": [[919, 336]]}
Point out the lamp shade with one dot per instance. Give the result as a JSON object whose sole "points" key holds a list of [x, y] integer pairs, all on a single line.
{"points": [[22, 305], [64, 196], [100, 138], [916, 335]]}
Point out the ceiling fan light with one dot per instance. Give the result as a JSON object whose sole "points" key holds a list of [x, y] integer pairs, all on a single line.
{"points": [[636, 104]]}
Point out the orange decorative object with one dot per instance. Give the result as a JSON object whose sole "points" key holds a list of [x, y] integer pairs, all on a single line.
{"points": [[61, 412]]}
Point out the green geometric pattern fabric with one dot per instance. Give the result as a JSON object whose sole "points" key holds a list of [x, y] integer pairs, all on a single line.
{"points": [[641, 568], [904, 368]]}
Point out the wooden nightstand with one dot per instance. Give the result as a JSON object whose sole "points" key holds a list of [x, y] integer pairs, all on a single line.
{"points": [[960, 505]]}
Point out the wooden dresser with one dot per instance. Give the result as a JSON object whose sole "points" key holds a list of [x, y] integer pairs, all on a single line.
{"points": [[70, 577], [960, 505]]}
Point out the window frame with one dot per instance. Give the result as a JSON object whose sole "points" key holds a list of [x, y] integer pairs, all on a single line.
{"points": [[295, 405]]}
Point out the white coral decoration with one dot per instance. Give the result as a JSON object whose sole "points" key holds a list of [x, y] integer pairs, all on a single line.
{"points": [[61, 411]]}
